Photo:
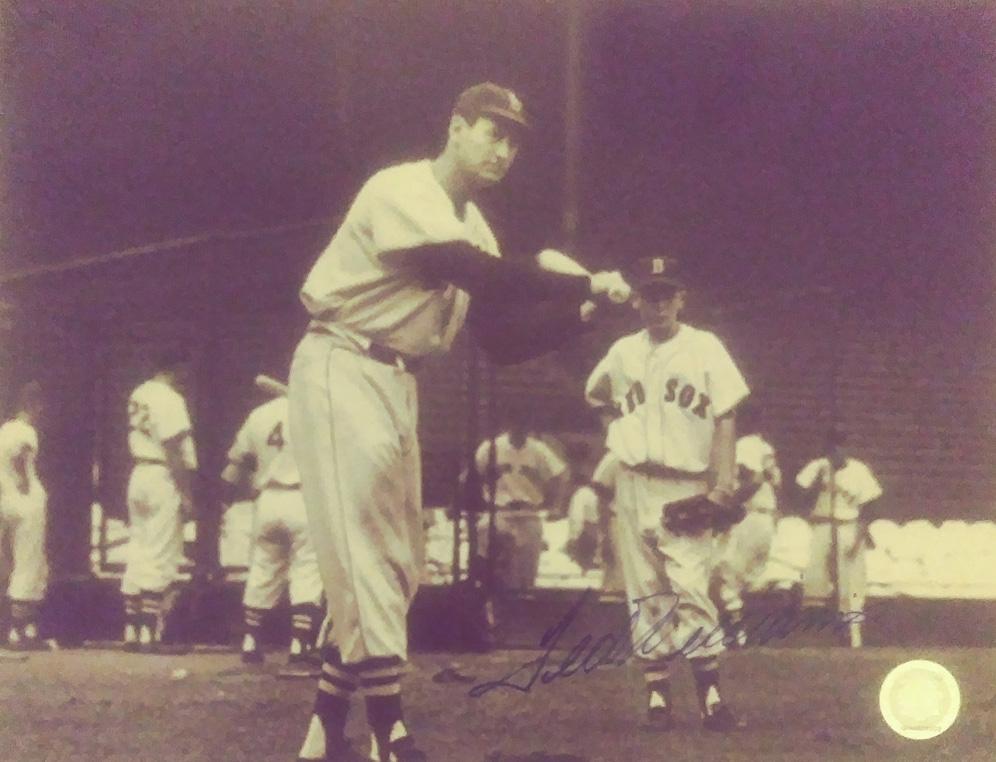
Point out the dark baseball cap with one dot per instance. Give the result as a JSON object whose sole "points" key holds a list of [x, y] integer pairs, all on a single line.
{"points": [[647, 272], [489, 99]]}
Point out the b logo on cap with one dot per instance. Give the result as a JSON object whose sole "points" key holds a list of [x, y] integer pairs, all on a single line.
{"points": [[514, 104], [657, 266]]}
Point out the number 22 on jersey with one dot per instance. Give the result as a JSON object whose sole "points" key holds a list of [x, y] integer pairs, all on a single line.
{"points": [[138, 417]]}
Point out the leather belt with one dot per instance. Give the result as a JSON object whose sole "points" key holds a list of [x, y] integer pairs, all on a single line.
{"points": [[762, 511], [518, 506], [375, 351], [279, 486], [388, 356], [829, 520], [659, 471], [148, 462]]}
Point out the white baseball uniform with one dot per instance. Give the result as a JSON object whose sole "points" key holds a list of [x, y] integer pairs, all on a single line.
{"points": [[22, 515], [666, 396], [353, 417], [523, 473], [156, 414], [606, 475], [582, 526], [282, 554], [743, 551], [854, 486]]}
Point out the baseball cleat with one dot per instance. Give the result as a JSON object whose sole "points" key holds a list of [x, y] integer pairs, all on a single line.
{"points": [[344, 752], [310, 658], [659, 715], [399, 750], [722, 720], [660, 718], [255, 656]]}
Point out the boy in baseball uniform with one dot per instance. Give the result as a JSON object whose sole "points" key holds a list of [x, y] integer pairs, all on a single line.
{"points": [[669, 393], [413, 259], [841, 491], [282, 554], [161, 444], [22, 519]]}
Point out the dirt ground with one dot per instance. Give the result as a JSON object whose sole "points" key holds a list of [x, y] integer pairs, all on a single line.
{"points": [[100, 704]]}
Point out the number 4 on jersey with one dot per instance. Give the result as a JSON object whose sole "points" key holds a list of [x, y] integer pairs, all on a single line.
{"points": [[276, 438]]}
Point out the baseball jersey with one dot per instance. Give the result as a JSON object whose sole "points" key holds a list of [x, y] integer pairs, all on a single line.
{"points": [[262, 445], [854, 486], [522, 471], [157, 414], [666, 397], [755, 454], [583, 506], [17, 439], [350, 289]]}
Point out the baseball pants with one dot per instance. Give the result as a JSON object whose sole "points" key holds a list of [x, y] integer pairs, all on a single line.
{"points": [[155, 540], [22, 528], [612, 577], [851, 571], [282, 554], [520, 544], [664, 572], [743, 556], [353, 428]]}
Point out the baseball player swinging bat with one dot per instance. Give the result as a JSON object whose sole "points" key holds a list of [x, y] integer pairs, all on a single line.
{"points": [[556, 261], [271, 386]]}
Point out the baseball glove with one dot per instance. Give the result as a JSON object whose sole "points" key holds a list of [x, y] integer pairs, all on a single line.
{"points": [[728, 516], [694, 515]]}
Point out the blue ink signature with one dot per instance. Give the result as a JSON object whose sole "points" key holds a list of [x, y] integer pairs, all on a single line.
{"points": [[616, 649]]}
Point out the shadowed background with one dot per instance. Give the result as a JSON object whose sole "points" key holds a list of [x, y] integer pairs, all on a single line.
{"points": [[826, 168]]}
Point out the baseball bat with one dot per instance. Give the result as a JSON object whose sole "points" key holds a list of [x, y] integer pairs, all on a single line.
{"points": [[558, 262], [271, 386]]}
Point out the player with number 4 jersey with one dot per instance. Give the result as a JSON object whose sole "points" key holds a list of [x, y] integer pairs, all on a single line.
{"points": [[282, 553]]}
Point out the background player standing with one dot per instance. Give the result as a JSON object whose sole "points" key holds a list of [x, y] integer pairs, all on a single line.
{"points": [[743, 550], [843, 504], [394, 285], [161, 443], [281, 554], [529, 476], [592, 524], [23, 513], [670, 391]]}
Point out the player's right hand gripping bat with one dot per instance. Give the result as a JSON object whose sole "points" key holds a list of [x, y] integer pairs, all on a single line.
{"points": [[693, 515], [271, 386]]}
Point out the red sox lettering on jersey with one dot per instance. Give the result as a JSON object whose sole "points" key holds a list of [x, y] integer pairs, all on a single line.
{"points": [[666, 397]]}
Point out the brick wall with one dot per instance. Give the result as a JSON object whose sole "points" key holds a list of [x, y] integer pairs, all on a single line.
{"points": [[915, 396]]}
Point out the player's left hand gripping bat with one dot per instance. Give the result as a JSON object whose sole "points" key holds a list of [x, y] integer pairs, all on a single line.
{"points": [[558, 262]]}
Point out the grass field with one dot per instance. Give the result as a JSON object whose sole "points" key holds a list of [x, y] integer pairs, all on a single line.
{"points": [[802, 704]]}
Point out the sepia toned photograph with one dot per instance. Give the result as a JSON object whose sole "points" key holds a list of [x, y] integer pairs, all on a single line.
{"points": [[497, 380]]}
